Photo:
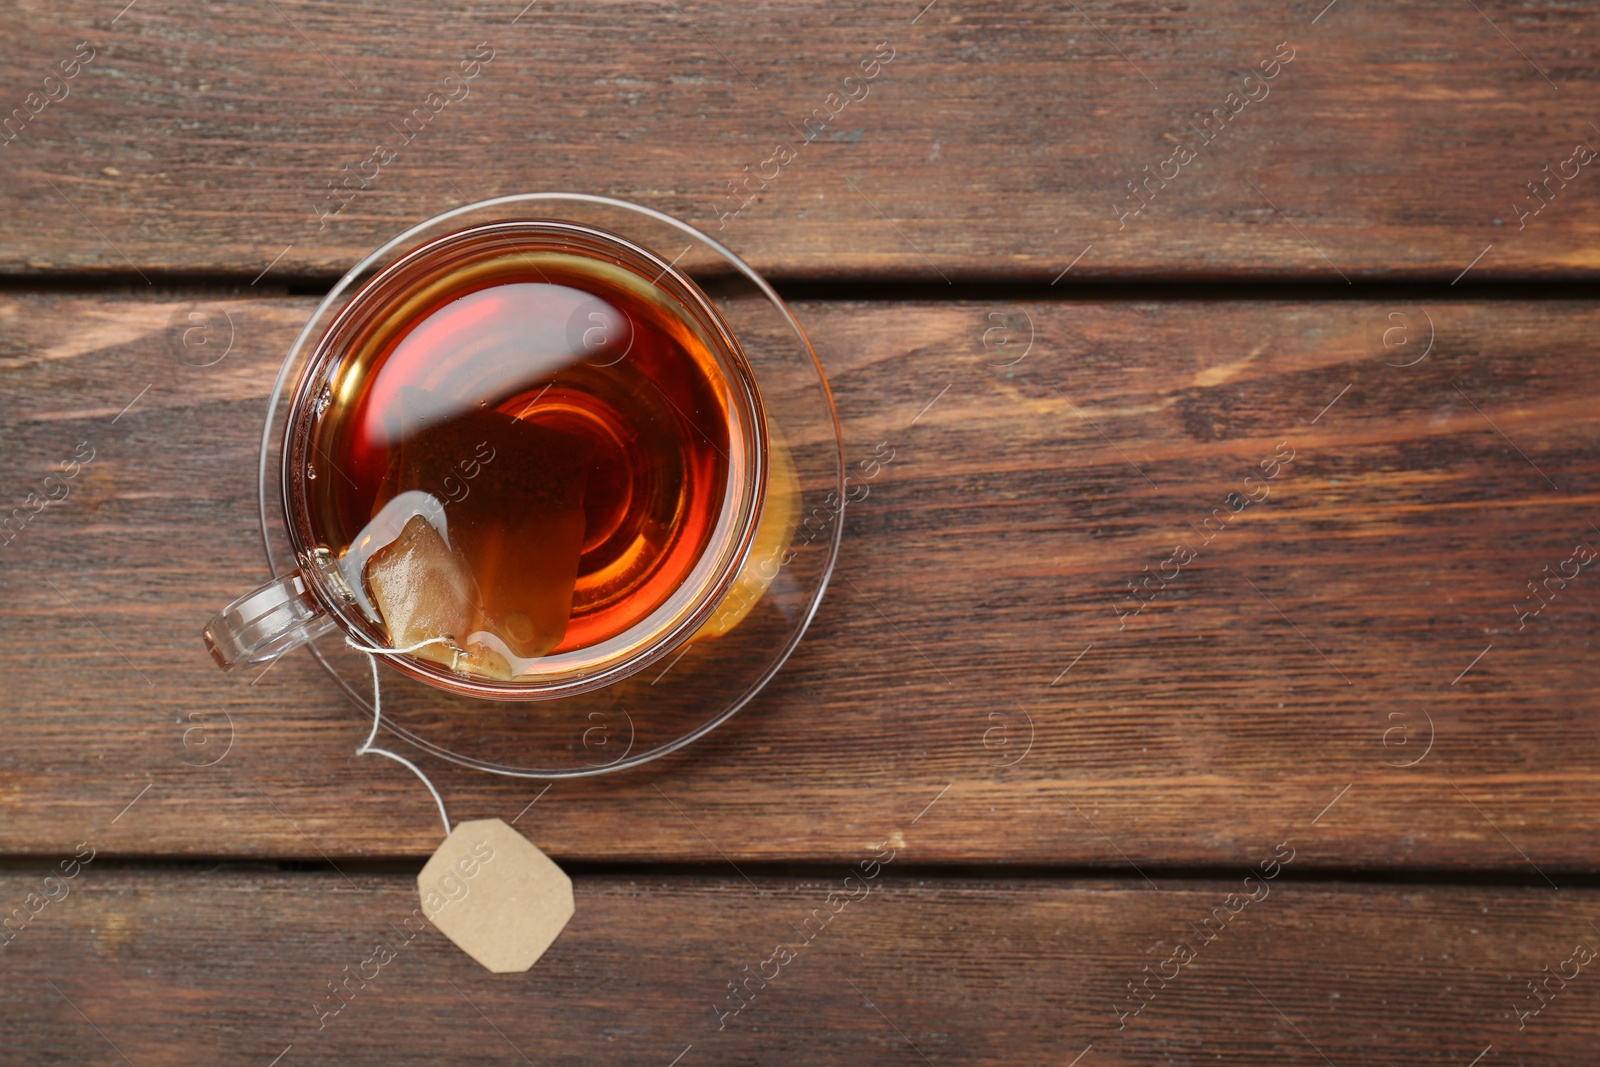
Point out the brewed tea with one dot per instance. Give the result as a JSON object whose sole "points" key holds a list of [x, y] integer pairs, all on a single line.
{"points": [[521, 451]]}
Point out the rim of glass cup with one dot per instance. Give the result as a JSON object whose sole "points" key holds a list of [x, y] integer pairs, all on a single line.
{"points": [[591, 667], [353, 277]]}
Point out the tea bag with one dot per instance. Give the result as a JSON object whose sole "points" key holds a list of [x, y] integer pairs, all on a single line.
{"points": [[512, 493], [423, 592]]}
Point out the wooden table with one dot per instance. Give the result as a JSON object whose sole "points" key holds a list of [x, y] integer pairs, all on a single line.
{"points": [[1324, 791]]}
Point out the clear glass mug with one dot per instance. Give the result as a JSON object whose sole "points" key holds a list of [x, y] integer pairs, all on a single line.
{"points": [[742, 606]]}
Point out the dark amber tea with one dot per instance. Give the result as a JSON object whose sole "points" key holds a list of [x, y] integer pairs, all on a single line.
{"points": [[528, 440]]}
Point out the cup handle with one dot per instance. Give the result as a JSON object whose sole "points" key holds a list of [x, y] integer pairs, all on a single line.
{"points": [[264, 624]]}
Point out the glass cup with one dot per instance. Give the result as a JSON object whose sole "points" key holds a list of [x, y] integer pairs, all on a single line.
{"points": [[329, 585], [740, 608]]}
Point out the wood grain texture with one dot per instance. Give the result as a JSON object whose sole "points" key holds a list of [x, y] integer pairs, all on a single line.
{"points": [[1000, 141], [1294, 664], [182, 967]]}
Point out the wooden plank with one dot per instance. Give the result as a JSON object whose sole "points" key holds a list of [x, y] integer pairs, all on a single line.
{"points": [[1279, 684], [179, 966], [1001, 139]]}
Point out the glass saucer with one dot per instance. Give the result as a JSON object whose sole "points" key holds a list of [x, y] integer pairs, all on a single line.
{"points": [[691, 690]]}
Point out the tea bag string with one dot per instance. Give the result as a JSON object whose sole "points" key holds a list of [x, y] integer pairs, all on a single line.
{"points": [[372, 653]]}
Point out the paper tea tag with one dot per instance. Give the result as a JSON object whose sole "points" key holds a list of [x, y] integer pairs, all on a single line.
{"points": [[494, 894]]}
